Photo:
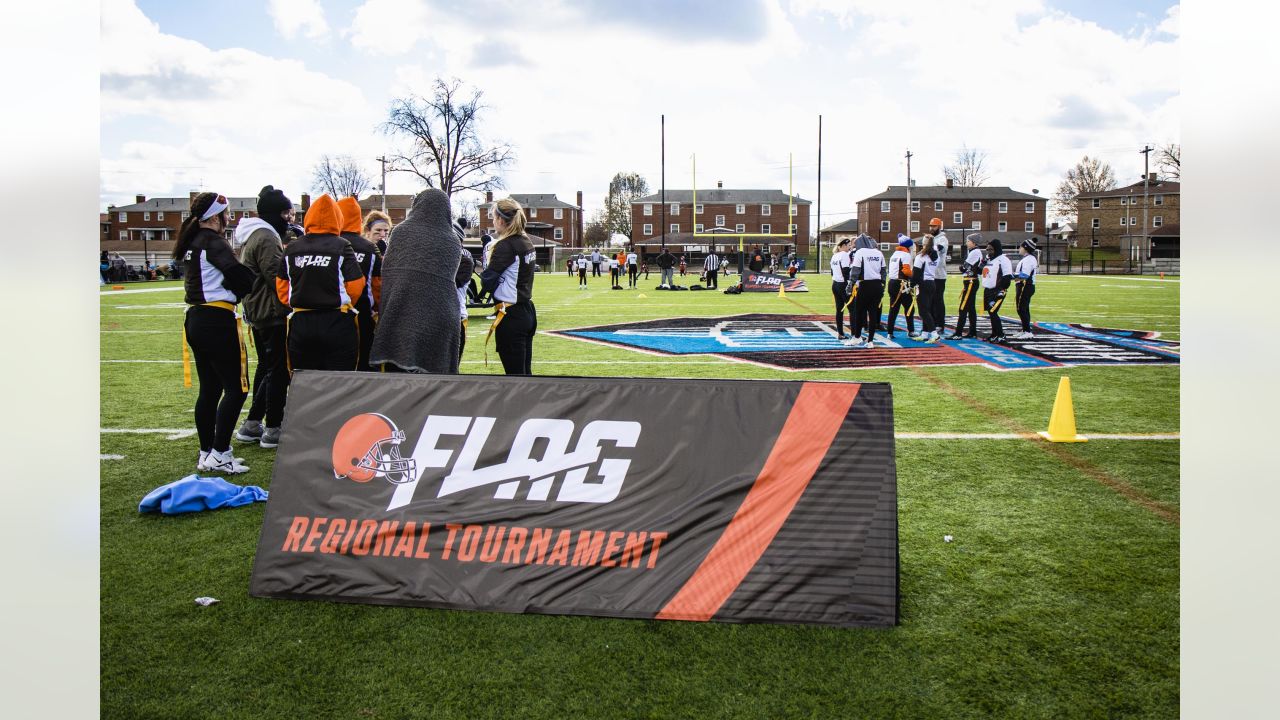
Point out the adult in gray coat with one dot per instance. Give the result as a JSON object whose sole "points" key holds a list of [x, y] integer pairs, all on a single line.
{"points": [[418, 329]]}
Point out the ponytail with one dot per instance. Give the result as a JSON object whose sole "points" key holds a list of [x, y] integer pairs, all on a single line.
{"points": [[513, 214], [199, 205]]}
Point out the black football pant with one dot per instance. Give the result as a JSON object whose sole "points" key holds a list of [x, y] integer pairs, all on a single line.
{"points": [[866, 308], [271, 379], [837, 289], [323, 340], [582, 276], [632, 271], [222, 369], [991, 301], [366, 326], [900, 297], [514, 338], [928, 304], [940, 305], [712, 280], [968, 312], [595, 269], [1023, 300]]}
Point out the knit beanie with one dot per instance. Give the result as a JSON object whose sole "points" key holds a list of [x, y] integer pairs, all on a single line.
{"points": [[272, 202]]}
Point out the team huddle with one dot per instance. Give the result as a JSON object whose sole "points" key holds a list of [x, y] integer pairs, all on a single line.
{"points": [[917, 279]]}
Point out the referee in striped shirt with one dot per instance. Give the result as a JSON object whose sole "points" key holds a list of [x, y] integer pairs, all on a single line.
{"points": [[712, 266]]}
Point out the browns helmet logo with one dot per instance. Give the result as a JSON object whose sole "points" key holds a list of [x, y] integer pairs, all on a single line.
{"points": [[368, 446]]}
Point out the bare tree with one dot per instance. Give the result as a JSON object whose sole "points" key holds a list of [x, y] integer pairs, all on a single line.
{"points": [[596, 234], [467, 211], [623, 189], [339, 176], [1089, 175], [969, 168], [445, 148], [1169, 160]]}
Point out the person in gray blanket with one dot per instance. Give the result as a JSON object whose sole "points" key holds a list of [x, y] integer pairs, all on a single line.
{"points": [[418, 329]]}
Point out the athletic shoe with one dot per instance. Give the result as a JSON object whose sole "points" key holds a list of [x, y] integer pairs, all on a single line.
{"points": [[932, 339], [970, 336], [954, 336], [842, 337], [917, 337], [1026, 336], [226, 463], [250, 431], [270, 438], [1000, 340], [854, 343], [203, 463]]}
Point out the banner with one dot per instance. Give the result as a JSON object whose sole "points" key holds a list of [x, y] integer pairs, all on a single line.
{"points": [[739, 501], [765, 282]]}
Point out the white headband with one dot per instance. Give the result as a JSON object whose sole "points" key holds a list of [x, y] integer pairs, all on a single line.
{"points": [[218, 206]]}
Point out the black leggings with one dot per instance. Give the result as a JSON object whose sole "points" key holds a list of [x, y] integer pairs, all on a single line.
{"points": [[1024, 292], [867, 308], [323, 340], [968, 306], [271, 379], [366, 326], [215, 342], [837, 289], [991, 302], [582, 276], [900, 298], [514, 338], [928, 305], [631, 274]]}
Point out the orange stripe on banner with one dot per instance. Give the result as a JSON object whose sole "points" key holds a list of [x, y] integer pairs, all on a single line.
{"points": [[807, 434]]}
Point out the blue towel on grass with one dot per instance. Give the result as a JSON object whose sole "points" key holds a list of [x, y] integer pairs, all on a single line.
{"points": [[193, 494]]}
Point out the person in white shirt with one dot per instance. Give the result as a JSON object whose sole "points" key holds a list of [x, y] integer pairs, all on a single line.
{"points": [[899, 275], [1025, 276], [942, 246], [840, 267], [615, 274], [583, 262], [969, 270], [633, 268], [595, 262], [996, 276], [924, 277], [867, 272]]}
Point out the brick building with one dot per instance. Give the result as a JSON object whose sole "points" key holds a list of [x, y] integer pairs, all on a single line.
{"points": [[1113, 218], [397, 206], [968, 209], [832, 234], [724, 211], [547, 217]]}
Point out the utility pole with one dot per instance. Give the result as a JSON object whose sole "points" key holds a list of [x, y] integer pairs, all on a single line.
{"points": [[908, 192], [383, 159], [819, 263], [663, 212], [1146, 186]]}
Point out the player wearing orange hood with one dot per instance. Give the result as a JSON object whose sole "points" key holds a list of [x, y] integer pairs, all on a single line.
{"points": [[320, 280], [371, 268]]}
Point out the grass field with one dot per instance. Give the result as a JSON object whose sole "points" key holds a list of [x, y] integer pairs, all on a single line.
{"points": [[1058, 597]]}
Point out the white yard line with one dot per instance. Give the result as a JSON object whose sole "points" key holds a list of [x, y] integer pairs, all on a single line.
{"points": [[1028, 436], [110, 457], [160, 362], [139, 332], [135, 291], [169, 433]]}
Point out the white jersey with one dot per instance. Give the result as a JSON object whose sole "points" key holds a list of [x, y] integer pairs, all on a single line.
{"points": [[582, 263], [974, 261], [839, 262], [942, 245], [462, 301], [871, 261], [1027, 266], [632, 259], [925, 269], [613, 263], [996, 268], [896, 260]]}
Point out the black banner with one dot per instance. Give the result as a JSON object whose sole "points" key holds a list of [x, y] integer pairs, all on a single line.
{"points": [[740, 501], [766, 282]]}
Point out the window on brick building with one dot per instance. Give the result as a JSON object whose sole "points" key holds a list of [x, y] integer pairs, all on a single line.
{"points": [[1124, 201], [1002, 226], [697, 209], [937, 206], [1124, 221], [675, 208], [558, 234], [124, 217], [915, 206], [648, 208], [1159, 200], [957, 218], [793, 210], [533, 212], [885, 206], [160, 216], [146, 216], [1097, 223], [1097, 203], [698, 228], [675, 228], [975, 225], [793, 229], [884, 226], [1029, 226], [719, 221], [648, 229], [185, 214], [766, 228], [765, 209], [1133, 220], [558, 214], [124, 234], [915, 226], [977, 206], [740, 209], [1002, 206], [1031, 207], [740, 228], [1157, 221]]}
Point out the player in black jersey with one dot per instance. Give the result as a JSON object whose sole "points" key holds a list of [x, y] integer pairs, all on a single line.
{"points": [[320, 279], [366, 306], [214, 283], [509, 277]]}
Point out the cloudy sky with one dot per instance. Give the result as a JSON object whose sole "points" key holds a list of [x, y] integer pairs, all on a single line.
{"points": [[254, 92]]}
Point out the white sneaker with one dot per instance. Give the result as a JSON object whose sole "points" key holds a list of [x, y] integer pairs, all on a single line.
{"points": [[854, 343], [917, 337], [225, 462], [203, 463], [933, 338]]}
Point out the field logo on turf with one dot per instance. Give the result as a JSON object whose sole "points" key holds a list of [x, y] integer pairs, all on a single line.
{"points": [[369, 446], [812, 342]]}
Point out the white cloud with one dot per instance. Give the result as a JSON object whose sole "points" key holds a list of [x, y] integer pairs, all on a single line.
{"points": [[299, 16], [391, 27]]}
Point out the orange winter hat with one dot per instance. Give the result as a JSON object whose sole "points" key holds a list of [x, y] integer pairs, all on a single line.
{"points": [[324, 217], [351, 214]]}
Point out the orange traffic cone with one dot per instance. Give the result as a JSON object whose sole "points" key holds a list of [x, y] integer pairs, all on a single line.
{"points": [[1062, 422]]}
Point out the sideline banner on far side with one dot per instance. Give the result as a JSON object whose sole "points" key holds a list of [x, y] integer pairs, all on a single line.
{"points": [[765, 282], [737, 501]]}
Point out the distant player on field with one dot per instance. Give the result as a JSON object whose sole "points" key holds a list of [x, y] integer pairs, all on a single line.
{"points": [[1025, 275], [969, 270]]}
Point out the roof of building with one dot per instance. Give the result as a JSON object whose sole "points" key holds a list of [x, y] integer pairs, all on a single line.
{"points": [[374, 202], [942, 192], [1171, 230], [850, 225], [1159, 187], [1063, 230], [723, 195], [536, 200], [725, 240], [238, 204]]}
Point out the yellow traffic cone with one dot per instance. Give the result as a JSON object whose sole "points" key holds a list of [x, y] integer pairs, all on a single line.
{"points": [[782, 290], [1062, 422], [641, 295]]}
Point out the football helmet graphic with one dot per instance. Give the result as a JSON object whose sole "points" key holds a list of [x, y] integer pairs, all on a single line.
{"points": [[368, 446]]}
